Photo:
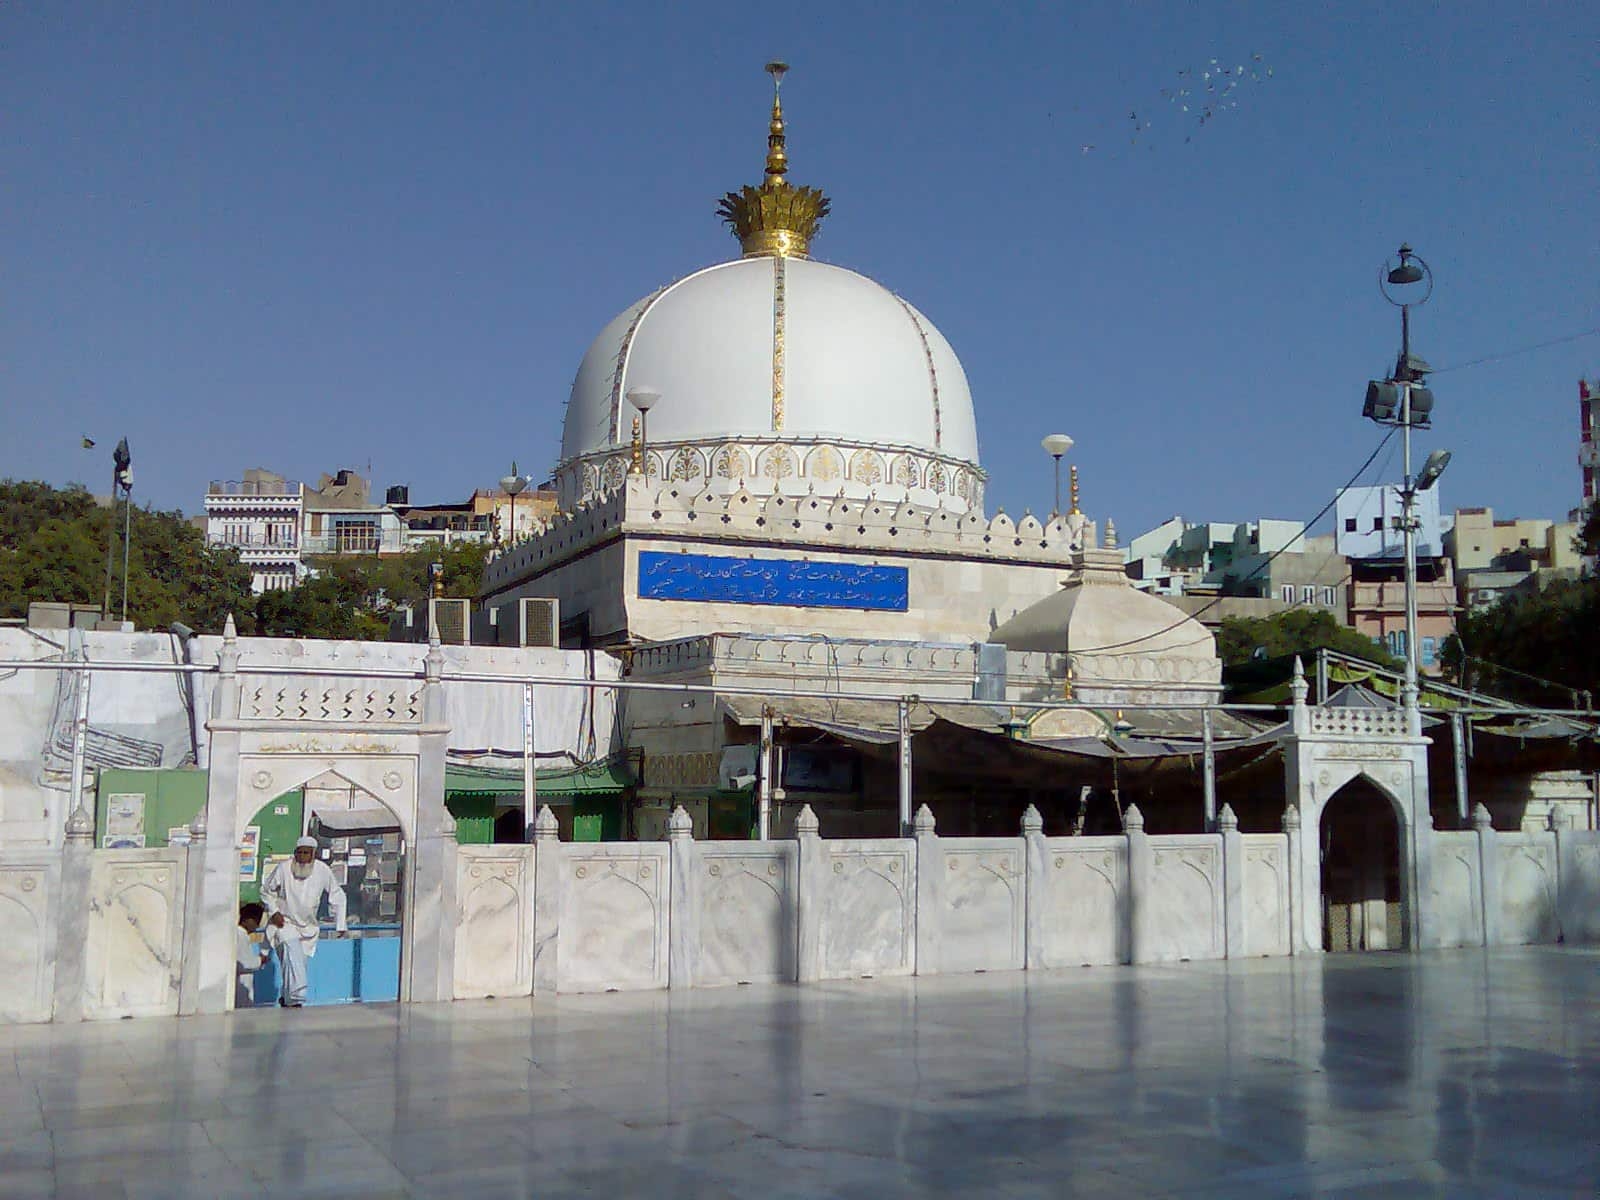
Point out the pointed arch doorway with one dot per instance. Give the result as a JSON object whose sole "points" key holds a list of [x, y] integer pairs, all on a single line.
{"points": [[1360, 839]]}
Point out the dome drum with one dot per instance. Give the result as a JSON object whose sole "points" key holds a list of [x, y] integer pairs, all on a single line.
{"points": [[792, 466]]}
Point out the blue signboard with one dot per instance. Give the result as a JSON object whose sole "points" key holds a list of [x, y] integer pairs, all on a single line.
{"points": [[806, 584]]}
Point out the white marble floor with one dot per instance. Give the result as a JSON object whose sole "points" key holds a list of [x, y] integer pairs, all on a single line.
{"points": [[1457, 1074]]}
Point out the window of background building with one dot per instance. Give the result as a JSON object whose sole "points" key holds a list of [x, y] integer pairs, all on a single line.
{"points": [[1349, 524], [1287, 592], [1308, 595], [1328, 597]]}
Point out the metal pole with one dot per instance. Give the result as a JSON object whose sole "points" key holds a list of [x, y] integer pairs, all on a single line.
{"points": [[1322, 675], [1408, 499], [1056, 512], [905, 766], [764, 777], [530, 782], [80, 733], [127, 530], [1209, 763], [111, 546], [1458, 752]]}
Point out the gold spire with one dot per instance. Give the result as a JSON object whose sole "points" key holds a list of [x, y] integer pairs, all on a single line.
{"points": [[1074, 510], [777, 218]]}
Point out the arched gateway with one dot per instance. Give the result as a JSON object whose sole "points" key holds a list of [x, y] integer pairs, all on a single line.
{"points": [[273, 733], [1358, 780]]}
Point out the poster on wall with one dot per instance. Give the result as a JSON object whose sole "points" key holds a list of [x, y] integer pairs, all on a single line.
{"points": [[249, 853], [125, 816], [179, 835]]}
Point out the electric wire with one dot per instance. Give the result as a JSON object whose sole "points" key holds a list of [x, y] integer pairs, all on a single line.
{"points": [[1264, 563], [1489, 358]]}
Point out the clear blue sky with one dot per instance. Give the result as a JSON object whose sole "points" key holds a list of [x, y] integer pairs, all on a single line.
{"points": [[305, 236]]}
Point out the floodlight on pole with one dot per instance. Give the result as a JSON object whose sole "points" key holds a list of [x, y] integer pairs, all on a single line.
{"points": [[1432, 469], [1056, 445], [1402, 400]]}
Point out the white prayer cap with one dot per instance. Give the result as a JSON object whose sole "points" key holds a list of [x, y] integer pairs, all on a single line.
{"points": [[306, 843]]}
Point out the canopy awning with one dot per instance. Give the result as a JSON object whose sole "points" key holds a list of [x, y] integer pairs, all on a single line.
{"points": [[353, 822], [606, 777], [1156, 734]]}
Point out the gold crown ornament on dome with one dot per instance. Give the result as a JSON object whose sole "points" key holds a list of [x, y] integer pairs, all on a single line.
{"points": [[777, 217]]}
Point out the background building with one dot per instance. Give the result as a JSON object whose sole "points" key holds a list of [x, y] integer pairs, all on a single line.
{"points": [[260, 517], [1494, 559]]}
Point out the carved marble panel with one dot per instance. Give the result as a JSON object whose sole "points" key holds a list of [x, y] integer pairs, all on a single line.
{"points": [[1185, 905], [1084, 918], [747, 913], [614, 913], [1266, 894], [982, 911], [135, 933], [494, 931], [1527, 888], [1457, 890], [869, 912], [27, 937]]}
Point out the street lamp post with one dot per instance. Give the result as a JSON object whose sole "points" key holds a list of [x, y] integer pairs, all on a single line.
{"points": [[512, 485], [1055, 445], [644, 399], [1402, 400]]}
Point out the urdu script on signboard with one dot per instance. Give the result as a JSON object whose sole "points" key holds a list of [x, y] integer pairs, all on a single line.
{"points": [[805, 584]]}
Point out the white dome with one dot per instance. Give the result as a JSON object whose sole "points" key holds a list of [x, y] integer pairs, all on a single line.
{"points": [[855, 365]]}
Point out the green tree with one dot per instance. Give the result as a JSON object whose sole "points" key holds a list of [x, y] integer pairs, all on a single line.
{"points": [[1301, 631], [352, 596], [53, 548], [1538, 648], [323, 606], [1588, 541]]}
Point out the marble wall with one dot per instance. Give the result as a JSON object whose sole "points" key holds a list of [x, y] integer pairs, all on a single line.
{"points": [[1527, 888], [1181, 916], [135, 936], [614, 913], [867, 908], [1078, 903], [979, 885], [1266, 894], [28, 887], [494, 921], [1457, 888], [745, 912]]}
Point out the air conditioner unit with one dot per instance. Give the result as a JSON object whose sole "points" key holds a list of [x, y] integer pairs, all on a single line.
{"points": [[453, 618], [539, 622]]}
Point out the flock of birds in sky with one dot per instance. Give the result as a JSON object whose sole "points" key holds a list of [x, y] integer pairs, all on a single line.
{"points": [[1198, 97]]}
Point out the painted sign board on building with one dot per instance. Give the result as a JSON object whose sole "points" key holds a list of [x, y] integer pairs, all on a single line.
{"points": [[800, 582]]}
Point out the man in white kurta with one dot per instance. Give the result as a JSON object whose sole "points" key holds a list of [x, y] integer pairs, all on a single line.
{"points": [[292, 894]]}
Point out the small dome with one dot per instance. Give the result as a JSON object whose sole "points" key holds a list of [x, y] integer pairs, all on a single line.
{"points": [[854, 362], [1115, 634]]}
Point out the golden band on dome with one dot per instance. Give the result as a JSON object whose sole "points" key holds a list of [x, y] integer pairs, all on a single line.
{"points": [[776, 218]]}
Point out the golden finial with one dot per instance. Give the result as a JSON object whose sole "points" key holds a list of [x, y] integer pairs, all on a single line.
{"points": [[777, 155], [776, 218], [1074, 511], [638, 449]]}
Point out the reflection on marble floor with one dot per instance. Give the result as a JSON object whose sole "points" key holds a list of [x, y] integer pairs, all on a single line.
{"points": [[1456, 1073]]}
